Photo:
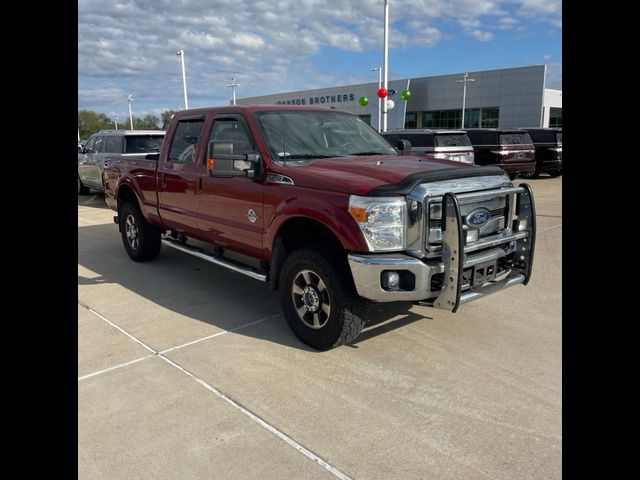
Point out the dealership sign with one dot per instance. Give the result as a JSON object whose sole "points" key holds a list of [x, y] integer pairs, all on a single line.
{"points": [[346, 97]]}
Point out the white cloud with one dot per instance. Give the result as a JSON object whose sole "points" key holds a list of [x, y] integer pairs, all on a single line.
{"points": [[481, 36], [127, 45]]}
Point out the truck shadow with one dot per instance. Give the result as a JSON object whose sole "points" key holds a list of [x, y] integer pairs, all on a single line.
{"points": [[191, 288]]}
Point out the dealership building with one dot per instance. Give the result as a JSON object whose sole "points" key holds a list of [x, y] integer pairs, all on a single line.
{"points": [[508, 97]]}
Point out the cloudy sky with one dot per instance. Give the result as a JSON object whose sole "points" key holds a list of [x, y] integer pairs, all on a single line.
{"points": [[129, 46]]}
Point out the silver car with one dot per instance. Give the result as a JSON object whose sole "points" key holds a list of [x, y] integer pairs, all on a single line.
{"points": [[112, 142]]}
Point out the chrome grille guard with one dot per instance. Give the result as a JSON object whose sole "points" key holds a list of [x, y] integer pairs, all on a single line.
{"points": [[453, 253]]}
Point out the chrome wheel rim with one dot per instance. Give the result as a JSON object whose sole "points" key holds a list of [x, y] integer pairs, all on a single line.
{"points": [[311, 299], [131, 230]]}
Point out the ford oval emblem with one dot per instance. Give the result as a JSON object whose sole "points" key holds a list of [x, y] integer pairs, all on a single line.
{"points": [[478, 217]]}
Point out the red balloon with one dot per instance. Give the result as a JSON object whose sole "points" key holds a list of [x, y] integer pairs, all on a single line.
{"points": [[382, 92]]}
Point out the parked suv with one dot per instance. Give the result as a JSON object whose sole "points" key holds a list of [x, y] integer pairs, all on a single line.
{"points": [[548, 145], [112, 142], [447, 144], [509, 148]]}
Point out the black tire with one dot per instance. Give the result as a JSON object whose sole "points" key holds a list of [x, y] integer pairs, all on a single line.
{"points": [[82, 190], [327, 285], [555, 173], [529, 174], [141, 240]]}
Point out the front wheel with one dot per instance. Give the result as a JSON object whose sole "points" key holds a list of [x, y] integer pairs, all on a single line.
{"points": [[318, 300], [141, 239]]}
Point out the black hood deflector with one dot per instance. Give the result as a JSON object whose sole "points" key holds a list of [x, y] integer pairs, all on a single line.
{"points": [[410, 182]]}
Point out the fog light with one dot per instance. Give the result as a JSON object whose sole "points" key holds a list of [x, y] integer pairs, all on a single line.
{"points": [[471, 235], [390, 280]]}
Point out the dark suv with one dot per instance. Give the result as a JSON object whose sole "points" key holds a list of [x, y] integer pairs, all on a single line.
{"points": [[509, 148], [548, 145], [112, 142], [448, 144]]}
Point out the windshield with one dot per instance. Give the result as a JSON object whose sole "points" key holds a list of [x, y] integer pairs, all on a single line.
{"points": [[515, 139], [307, 134], [456, 140], [143, 144]]}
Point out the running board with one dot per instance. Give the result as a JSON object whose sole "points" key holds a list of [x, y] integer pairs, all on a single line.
{"points": [[216, 260]]}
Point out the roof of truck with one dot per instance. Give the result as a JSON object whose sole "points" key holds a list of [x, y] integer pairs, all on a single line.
{"points": [[253, 108]]}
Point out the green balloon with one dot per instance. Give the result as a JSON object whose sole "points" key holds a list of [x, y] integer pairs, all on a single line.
{"points": [[364, 101], [405, 94]]}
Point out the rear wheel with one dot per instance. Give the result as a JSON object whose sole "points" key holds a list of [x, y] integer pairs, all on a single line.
{"points": [[318, 300], [141, 239], [82, 190]]}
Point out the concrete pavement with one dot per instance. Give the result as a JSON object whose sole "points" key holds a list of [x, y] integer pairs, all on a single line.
{"points": [[187, 370]]}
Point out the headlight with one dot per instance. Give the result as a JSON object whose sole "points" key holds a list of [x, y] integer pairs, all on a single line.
{"points": [[382, 221]]}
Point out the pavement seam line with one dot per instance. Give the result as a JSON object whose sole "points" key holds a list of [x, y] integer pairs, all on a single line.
{"points": [[114, 367], [193, 342], [282, 436], [139, 342], [549, 228]]}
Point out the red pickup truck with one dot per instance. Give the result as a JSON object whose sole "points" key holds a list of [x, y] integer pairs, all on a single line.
{"points": [[317, 203]]}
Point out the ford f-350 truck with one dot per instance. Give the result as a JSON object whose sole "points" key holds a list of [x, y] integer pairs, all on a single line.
{"points": [[325, 210]]}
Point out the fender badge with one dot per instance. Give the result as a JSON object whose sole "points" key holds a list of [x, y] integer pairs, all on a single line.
{"points": [[252, 216]]}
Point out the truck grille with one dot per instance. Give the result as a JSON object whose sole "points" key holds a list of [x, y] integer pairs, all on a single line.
{"points": [[498, 219]]}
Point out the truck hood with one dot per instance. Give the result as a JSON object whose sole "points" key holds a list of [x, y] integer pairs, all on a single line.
{"points": [[359, 175]]}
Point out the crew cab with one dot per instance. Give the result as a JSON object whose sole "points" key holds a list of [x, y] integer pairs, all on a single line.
{"points": [[315, 202], [92, 156]]}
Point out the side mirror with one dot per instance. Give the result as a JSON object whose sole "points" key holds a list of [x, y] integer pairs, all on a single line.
{"points": [[404, 147], [222, 162]]}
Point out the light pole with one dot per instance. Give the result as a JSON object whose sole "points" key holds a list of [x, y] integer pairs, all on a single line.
{"points": [[115, 116], [464, 95], [233, 86], [130, 99], [385, 63], [379, 70], [184, 79]]}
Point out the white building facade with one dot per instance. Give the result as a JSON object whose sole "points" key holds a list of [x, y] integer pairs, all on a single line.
{"points": [[509, 97]]}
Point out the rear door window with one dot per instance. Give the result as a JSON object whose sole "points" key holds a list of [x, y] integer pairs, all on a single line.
{"points": [[143, 143], [185, 139], [113, 144]]}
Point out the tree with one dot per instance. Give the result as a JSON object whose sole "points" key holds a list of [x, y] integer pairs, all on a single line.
{"points": [[166, 118], [148, 122], [90, 122]]}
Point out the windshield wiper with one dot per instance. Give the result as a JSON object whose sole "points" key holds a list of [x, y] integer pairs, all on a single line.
{"points": [[308, 155], [369, 153]]}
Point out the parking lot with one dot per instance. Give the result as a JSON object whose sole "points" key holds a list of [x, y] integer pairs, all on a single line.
{"points": [[188, 370]]}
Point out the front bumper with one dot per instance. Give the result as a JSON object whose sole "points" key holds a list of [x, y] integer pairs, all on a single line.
{"points": [[446, 283]]}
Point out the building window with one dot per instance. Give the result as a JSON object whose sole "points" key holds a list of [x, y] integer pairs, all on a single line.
{"points": [[555, 117], [490, 116], [411, 120], [471, 118]]}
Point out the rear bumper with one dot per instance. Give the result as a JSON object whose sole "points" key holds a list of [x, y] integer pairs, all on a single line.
{"points": [[518, 167], [550, 165]]}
